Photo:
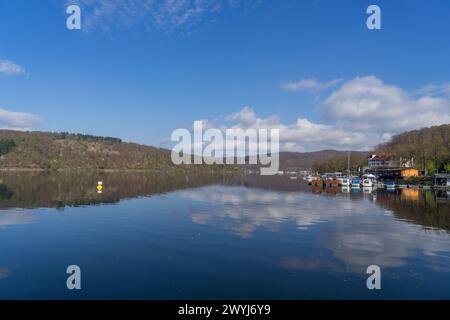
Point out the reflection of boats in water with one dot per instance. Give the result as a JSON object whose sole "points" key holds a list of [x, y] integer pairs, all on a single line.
{"points": [[367, 189], [442, 196], [316, 189], [333, 190], [317, 183], [345, 190]]}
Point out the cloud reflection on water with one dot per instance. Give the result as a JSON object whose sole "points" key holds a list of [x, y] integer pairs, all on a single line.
{"points": [[358, 231], [16, 217], [5, 273]]}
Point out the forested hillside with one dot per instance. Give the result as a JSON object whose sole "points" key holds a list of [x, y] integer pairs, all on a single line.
{"points": [[53, 151], [430, 147]]}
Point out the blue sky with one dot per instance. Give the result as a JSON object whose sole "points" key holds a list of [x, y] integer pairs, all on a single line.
{"points": [[139, 69]]}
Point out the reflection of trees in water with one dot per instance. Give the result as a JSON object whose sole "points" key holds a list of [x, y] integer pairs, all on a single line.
{"points": [[274, 183], [40, 189], [425, 208], [5, 193]]}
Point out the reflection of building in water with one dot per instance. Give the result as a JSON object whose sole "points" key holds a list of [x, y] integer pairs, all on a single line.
{"points": [[410, 194]]}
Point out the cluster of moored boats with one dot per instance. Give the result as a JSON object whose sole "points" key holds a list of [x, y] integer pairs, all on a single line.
{"points": [[356, 182]]}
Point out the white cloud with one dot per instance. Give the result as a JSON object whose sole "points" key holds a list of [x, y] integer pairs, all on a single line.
{"points": [[369, 104], [15, 217], [359, 115], [17, 120], [303, 135], [311, 85], [11, 68], [442, 89], [167, 15], [246, 116]]}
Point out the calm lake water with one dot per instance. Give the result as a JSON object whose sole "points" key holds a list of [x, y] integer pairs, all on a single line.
{"points": [[210, 237]]}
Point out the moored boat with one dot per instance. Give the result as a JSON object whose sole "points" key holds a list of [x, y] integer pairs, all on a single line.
{"points": [[344, 181], [367, 183], [390, 185], [356, 183]]}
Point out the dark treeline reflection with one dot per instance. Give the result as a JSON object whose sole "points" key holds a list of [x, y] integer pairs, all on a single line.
{"points": [[43, 189], [427, 208]]}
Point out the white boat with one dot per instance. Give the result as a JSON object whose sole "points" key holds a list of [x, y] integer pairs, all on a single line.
{"points": [[367, 183], [310, 178], [343, 181], [371, 177], [390, 185]]}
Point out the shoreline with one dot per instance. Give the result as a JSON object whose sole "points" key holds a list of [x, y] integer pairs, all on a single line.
{"points": [[166, 170]]}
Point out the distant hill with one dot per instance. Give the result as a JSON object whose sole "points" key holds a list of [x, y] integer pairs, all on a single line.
{"points": [[306, 160], [52, 151]]}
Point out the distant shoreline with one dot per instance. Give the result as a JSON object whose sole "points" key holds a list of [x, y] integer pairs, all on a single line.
{"points": [[166, 170], [75, 169]]}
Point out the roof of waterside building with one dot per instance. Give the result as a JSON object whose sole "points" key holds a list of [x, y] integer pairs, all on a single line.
{"points": [[384, 156]]}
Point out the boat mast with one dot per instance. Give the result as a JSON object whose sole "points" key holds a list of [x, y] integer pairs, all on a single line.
{"points": [[348, 164]]}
